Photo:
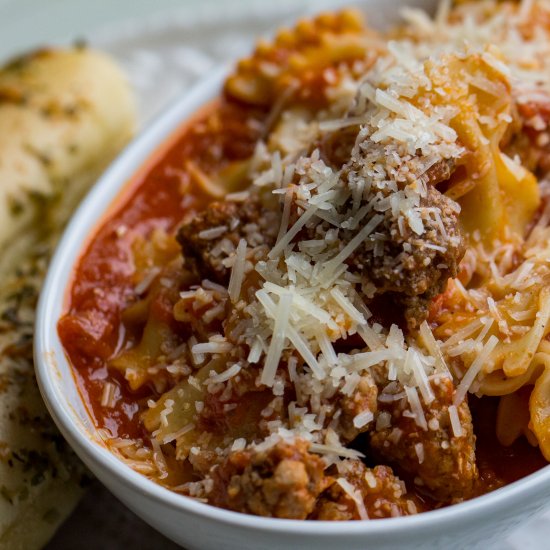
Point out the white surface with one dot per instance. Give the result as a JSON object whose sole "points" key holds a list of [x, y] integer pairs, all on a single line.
{"points": [[166, 45]]}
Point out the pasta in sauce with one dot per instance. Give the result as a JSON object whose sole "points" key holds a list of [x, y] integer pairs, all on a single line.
{"points": [[327, 297]]}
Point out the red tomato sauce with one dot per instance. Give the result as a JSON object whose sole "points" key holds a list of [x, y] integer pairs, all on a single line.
{"points": [[499, 464], [102, 286]]}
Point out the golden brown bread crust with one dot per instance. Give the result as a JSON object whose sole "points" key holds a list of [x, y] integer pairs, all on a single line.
{"points": [[40, 478], [64, 114]]}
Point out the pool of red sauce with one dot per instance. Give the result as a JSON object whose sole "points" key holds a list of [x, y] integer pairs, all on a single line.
{"points": [[91, 330]]}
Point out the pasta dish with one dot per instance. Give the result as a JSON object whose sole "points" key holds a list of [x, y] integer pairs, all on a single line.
{"points": [[327, 297]]}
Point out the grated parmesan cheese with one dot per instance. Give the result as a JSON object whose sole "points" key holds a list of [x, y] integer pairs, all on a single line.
{"points": [[277, 340], [416, 407], [213, 232], [362, 419], [355, 496], [455, 421], [474, 369], [224, 376]]}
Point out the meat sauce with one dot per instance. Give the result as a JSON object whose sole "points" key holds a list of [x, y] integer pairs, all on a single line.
{"points": [[92, 331]]}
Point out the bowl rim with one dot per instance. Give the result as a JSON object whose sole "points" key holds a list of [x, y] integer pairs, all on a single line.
{"points": [[49, 354]]}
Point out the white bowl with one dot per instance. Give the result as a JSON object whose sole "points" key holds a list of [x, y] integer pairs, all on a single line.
{"points": [[193, 524]]}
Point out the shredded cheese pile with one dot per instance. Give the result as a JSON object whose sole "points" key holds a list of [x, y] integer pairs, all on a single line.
{"points": [[310, 297]]}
